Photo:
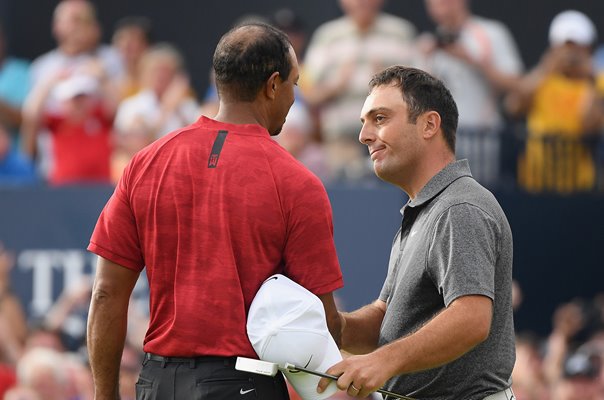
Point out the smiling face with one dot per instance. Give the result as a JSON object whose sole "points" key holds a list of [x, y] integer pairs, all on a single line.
{"points": [[395, 144]]}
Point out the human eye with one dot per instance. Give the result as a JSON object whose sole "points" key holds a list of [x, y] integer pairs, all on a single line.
{"points": [[379, 118]]}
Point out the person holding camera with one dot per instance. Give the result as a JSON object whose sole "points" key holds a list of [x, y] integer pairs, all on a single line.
{"points": [[563, 108], [478, 60]]}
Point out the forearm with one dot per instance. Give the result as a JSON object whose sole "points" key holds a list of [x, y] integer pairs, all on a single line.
{"points": [[11, 348], [557, 347], [107, 322], [362, 327], [443, 339], [58, 313], [32, 117], [501, 81], [10, 115], [520, 97], [593, 114], [333, 318], [106, 335]]}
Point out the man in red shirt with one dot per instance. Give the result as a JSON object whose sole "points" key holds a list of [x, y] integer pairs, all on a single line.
{"points": [[211, 211]]}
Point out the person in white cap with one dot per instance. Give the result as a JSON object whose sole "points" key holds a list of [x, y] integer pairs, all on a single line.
{"points": [[442, 327], [80, 126], [211, 211], [563, 109]]}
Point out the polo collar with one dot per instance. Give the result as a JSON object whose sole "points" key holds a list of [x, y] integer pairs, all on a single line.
{"points": [[247, 129], [440, 181]]}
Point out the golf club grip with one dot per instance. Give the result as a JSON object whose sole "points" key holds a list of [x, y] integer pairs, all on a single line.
{"points": [[335, 378]]}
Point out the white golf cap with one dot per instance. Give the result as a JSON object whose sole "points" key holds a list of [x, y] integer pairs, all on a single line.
{"points": [[286, 324], [572, 26], [76, 85]]}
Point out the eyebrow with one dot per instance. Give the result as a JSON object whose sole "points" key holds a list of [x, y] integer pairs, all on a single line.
{"points": [[374, 111]]}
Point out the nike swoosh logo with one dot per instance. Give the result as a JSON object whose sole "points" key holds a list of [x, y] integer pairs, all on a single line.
{"points": [[241, 391]]}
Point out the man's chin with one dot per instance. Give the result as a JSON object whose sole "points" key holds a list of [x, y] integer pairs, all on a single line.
{"points": [[380, 173]]}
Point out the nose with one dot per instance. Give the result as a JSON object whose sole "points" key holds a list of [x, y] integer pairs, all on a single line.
{"points": [[366, 136]]}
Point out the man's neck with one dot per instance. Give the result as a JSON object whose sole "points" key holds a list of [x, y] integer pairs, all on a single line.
{"points": [[239, 113], [425, 172]]}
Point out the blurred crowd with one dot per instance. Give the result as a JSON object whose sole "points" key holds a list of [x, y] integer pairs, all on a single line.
{"points": [[565, 364], [46, 359], [79, 112]]}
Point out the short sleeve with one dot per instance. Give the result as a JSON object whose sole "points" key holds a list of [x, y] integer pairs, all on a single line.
{"points": [[115, 236], [310, 255], [461, 257]]}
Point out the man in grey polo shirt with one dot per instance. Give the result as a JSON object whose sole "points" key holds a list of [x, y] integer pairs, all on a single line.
{"points": [[442, 327]]}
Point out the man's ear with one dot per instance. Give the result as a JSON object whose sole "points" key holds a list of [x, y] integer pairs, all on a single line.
{"points": [[272, 84], [430, 124]]}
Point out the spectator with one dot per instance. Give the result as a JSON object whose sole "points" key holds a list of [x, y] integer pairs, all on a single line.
{"points": [[21, 393], [80, 126], [40, 369], [293, 26], [130, 368], [79, 385], [478, 60], [8, 379], [164, 103], [562, 106], [297, 138], [13, 326], [528, 381], [132, 37], [68, 315], [77, 32], [575, 349], [299, 135], [15, 168], [14, 84], [341, 57], [580, 378]]}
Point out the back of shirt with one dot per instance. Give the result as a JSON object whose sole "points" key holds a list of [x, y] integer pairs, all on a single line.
{"points": [[213, 210]]}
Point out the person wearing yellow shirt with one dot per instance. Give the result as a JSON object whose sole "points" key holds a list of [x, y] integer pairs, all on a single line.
{"points": [[563, 109]]}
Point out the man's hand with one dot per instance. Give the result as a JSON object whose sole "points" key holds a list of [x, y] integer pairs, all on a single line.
{"points": [[359, 376]]}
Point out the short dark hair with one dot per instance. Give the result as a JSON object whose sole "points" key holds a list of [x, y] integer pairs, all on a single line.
{"points": [[422, 92], [247, 55]]}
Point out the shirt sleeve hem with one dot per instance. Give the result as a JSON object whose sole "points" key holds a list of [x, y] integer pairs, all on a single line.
{"points": [[480, 292], [111, 256], [328, 288]]}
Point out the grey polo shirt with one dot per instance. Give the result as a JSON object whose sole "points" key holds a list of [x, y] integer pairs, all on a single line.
{"points": [[454, 241]]}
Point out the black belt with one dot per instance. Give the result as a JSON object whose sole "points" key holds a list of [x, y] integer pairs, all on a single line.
{"points": [[192, 361]]}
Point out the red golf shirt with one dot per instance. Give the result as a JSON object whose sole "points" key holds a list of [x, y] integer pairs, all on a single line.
{"points": [[212, 210]]}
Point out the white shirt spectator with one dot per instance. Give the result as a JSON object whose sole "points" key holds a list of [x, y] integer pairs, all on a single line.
{"points": [[143, 111]]}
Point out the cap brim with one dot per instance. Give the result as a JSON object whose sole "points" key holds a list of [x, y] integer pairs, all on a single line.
{"points": [[306, 384]]}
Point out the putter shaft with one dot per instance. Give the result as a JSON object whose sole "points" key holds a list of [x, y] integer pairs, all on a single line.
{"points": [[294, 368]]}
